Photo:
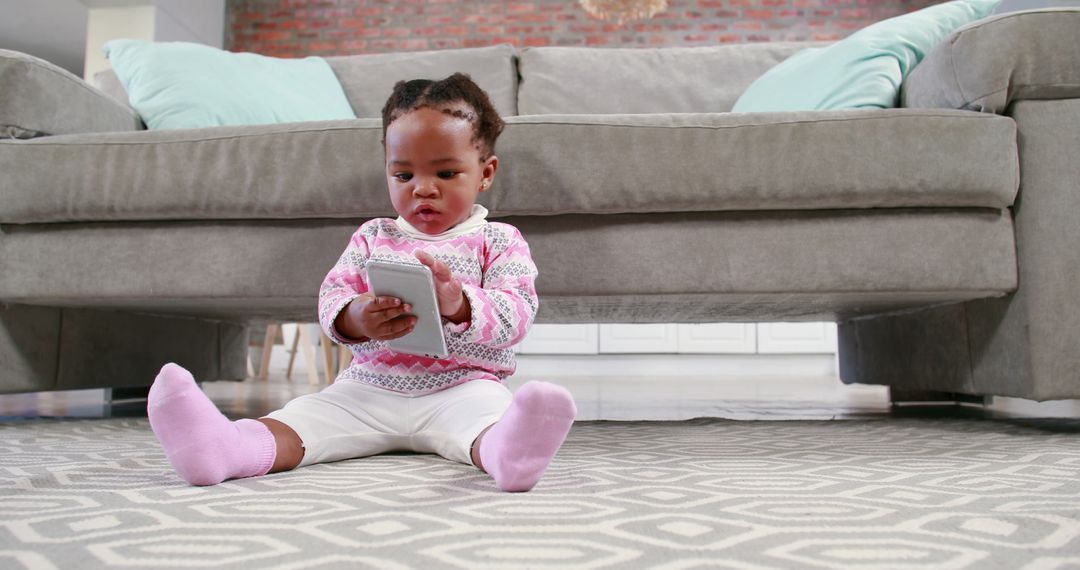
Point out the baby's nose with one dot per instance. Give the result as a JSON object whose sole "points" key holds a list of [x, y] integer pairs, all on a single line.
{"points": [[425, 188]]}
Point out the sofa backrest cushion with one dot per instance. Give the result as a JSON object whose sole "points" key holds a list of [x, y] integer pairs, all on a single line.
{"points": [[369, 79], [38, 98], [576, 80]]}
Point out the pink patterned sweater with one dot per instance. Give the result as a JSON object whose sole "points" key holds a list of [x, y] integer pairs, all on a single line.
{"points": [[498, 277]]}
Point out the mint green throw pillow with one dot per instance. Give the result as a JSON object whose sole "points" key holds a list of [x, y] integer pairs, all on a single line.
{"points": [[863, 70], [179, 85]]}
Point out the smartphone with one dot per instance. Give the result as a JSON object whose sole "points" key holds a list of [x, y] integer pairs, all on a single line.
{"points": [[413, 284]]}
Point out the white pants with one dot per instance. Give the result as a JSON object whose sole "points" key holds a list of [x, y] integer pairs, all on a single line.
{"points": [[352, 419]]}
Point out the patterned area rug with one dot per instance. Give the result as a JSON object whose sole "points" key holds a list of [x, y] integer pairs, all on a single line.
{"points": [[877, 494]]}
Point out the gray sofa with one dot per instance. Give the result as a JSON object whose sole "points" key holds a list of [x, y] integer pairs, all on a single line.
{"points": [[940, 235]]}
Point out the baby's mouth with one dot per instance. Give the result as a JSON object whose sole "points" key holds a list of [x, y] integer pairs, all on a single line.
{"points": [[425, 212]]}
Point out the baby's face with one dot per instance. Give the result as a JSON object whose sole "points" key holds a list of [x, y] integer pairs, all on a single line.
{"points": [[433, 169]]}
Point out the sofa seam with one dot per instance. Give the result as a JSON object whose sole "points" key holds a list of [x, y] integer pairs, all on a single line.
{"points": [[39, 142], [980, 117], [997, 292], [323, 215], [1006, 88], [972, 116], [955, 72]]}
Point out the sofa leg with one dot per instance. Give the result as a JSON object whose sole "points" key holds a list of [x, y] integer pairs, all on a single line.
{"points": [[981, 347], [51, 348], [125, 402], [924, 351], [902, 396]]}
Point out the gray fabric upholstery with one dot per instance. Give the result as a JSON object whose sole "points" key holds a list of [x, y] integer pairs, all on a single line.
{"points": [[49, 348], [300, 170], [235, 269], [38, 98], [619, 163], [767, 161], [571, 80], [110, 84], [738, 307], [1022, 345], [369, 79], [989, 64], [944, 240]]}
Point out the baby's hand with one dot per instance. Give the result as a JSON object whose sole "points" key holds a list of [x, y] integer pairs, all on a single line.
{"points": [[381, 318], [453, 304]]}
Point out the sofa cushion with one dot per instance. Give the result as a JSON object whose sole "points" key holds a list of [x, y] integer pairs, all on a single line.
{"points": [[39, 98], [865, 69], [369, 79], [762, 161], [182, 85], [761, 265], [992, 63], [654, 80], [615, 164]]}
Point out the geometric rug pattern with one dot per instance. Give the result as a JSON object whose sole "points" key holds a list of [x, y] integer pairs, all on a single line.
{"points": [[754, 495]]}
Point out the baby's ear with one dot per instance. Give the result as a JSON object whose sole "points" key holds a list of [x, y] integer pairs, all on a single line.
{"points": [[491, 165]]}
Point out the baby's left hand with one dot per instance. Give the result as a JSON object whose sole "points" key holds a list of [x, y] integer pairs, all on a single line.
{"points": [[453, 304]]}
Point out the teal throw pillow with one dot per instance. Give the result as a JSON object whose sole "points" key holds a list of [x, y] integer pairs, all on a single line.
{"points": [[865, 69], [178, 85]]}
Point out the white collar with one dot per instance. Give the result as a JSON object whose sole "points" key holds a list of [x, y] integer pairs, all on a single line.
{"points": [[476, 220]]}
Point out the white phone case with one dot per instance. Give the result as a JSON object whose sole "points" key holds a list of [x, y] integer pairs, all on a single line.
{"points": [[413, 284]]}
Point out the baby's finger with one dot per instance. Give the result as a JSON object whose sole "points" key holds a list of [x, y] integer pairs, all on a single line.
{"points": [[441, 271], [425, 258], [438, 268], [382, 303], [397, 328], [395, 312]]}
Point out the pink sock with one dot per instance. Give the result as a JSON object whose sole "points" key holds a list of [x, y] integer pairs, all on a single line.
{"points": [[204, 446], [517, 450]]}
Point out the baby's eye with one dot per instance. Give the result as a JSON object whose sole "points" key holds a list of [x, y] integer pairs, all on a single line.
{"points": [[446, 174], [403, 176]]}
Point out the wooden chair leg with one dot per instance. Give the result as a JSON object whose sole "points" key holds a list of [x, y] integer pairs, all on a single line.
{"points": [[308, 348], [328, 357], [344, 358], [292, 352], [268, 347]]}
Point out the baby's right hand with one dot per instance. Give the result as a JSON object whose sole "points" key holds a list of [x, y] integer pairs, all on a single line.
{"points": [[382, 318]]}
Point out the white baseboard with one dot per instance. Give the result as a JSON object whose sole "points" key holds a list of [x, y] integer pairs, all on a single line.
{"points": [[741, 365]]}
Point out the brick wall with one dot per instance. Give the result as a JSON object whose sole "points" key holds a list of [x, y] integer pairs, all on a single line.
{"points": [[291, 28]]}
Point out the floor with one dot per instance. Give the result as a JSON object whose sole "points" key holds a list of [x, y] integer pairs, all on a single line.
{"points": [[620, 387]]}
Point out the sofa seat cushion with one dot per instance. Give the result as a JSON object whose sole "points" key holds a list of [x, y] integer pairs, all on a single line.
{"points": [[551, 164], [756, 161]]}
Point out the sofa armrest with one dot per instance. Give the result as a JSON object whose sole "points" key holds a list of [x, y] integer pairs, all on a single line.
{"points": [[38, 98], [989, 64]]}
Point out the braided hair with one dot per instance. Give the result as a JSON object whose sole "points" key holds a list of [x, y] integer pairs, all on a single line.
{"points": [[458, 96]]}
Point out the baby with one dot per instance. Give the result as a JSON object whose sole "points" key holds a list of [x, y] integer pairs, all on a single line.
{"points": [[439, 139]]}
